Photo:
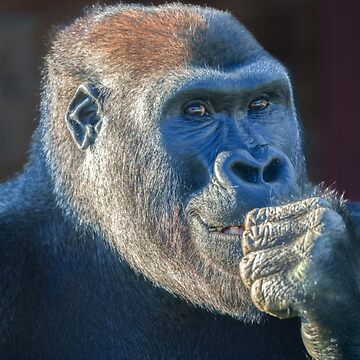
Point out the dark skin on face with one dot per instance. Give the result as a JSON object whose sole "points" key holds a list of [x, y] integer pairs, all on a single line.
{"points": [[250, 118]]}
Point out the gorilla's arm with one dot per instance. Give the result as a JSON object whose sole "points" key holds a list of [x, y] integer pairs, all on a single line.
{"points": [[302, 259]]}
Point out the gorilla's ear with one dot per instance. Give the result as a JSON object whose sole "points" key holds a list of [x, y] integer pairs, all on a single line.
{"points": [[83, 116]]}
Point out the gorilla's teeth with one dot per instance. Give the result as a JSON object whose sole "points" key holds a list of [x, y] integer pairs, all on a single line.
{"points": [[233, 230]]}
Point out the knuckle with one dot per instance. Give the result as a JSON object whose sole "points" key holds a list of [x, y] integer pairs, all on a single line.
{"points": [[260, 235], [250, 219]]}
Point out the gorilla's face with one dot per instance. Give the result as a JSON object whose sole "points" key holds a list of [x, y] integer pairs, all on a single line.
{"points": [[235, 143]]}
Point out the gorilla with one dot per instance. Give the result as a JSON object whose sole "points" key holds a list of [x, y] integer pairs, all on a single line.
{"points": [[165, 210]]}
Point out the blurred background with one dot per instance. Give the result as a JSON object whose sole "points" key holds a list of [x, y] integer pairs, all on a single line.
{"points": [[318, 40]]}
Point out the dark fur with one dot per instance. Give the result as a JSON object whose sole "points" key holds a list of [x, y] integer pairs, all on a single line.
{"points": [[96, 260]]}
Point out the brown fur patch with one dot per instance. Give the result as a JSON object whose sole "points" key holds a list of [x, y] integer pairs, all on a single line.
{"points": [[146, 41]]}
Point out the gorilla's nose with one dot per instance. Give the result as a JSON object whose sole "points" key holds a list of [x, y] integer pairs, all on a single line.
{"points": [[240, 168]]}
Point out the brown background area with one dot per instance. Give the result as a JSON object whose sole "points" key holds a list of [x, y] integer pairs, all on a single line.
{"points": [[318, 40]]}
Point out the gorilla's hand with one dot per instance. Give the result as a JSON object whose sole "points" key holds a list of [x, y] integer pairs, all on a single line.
{"points": [[301, 260]]}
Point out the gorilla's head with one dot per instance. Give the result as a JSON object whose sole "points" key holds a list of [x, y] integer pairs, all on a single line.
{"points": [[161, 128]]}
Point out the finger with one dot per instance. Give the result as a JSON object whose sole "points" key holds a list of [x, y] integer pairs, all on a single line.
{"points": [[260, 264], [269, 234], [284, 212], [277, 295]]}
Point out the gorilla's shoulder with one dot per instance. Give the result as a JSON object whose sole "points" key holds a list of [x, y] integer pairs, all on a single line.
{"points": [[19, 228], [25, 209]]}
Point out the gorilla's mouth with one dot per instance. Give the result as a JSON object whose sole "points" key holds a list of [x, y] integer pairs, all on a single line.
{"points": [[237, 230], [221, 230]]}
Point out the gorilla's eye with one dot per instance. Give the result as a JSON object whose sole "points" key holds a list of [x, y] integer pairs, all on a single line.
{"points": [[195, 109], [258, 104]]}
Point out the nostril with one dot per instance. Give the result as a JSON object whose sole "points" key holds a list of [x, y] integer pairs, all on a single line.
{"points": [[272, 171], [245, 172]]}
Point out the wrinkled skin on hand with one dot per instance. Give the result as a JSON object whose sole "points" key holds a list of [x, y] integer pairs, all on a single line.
{"points": [[300, 260]]}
